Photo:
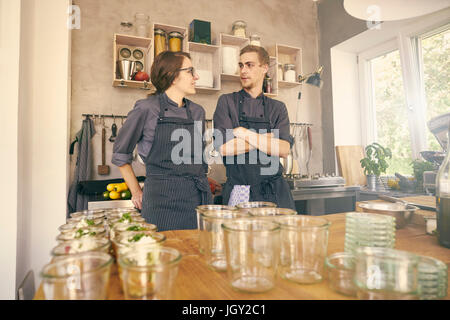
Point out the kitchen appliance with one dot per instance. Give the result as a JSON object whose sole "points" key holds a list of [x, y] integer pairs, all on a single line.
{"points": [[297, 181], [439, 127]]}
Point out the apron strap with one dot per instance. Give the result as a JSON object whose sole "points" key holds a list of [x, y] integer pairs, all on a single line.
{"points": [[267, 187]]}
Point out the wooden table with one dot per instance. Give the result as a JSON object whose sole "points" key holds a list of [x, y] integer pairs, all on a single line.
{"points": [[196, 281]]}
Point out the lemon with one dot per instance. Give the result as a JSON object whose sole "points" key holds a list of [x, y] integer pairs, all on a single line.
{"points": [[119, 187], [110, 187], [114, 195], [106, 195]]}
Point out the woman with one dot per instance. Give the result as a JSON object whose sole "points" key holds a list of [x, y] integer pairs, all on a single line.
{"points": [[176, 182]]}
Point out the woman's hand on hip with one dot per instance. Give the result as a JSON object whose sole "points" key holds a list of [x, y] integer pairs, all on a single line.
{"points": [[136, 198]]}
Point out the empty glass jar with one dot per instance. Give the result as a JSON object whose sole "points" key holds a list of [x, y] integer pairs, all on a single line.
{"points": [[252, 251]]}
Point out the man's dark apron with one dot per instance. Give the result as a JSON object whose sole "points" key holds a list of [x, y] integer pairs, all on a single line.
{"points": [[272, 188], [173, 191]]}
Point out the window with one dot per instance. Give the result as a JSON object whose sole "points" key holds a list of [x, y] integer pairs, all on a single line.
{"points": [[391, 117], [404, 83], [434, 57]]}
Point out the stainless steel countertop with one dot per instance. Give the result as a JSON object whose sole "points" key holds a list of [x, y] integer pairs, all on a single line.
{"points": [[325, 192]]}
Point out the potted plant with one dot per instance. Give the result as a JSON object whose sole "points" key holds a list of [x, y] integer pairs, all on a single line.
{"points": [[374, 164]]}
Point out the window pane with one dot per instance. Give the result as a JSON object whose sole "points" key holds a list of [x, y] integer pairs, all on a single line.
{"points": [[436, 78], [391, 113]]}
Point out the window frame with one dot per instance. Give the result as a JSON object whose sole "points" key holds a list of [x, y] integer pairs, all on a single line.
{"points": [[406, 41]]}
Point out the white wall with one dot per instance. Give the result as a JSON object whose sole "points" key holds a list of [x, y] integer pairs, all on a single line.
{"points": [[9, 88], [345, 81], [44, 109]]}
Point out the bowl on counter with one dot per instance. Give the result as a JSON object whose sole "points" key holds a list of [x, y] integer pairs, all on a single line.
{"points": [[401, 212]]}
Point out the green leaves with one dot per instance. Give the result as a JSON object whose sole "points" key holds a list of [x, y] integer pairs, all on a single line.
{"points": [[375, 160]]}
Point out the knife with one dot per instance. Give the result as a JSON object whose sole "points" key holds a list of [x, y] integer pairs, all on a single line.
{"points": [[420, 206]]}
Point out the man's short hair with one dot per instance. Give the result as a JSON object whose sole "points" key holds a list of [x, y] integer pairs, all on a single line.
{"points": [[262, 53]]}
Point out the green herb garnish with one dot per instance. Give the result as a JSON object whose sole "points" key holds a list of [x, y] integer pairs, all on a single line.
{"points": [[137, 237], [90, 222], [136, 228], [125, 216]]}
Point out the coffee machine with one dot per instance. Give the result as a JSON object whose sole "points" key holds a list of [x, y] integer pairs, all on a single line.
{"points": [[439, 127]]}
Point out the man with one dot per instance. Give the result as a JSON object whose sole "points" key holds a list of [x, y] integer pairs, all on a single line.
{"points": [[252, 132]]}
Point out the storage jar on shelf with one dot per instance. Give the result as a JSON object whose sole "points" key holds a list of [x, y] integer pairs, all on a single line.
{"points": [[239, 28], [175, 40], [289, 72], [255, 40], [160, 41]]}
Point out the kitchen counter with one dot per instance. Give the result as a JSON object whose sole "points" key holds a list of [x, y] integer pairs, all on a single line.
{"points": [[195, 278], [325, 200]]}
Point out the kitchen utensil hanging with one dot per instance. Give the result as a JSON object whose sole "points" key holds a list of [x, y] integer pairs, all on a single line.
{"points": [[113, 131], [103, 169], [301, 148]]}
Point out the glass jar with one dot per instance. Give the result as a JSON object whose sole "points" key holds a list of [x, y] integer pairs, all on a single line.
{"points": [[267, 85], [160, 41], [255, 40], [280, 72], [141, 20], [289, 72], [175, 39], [252, 253], [239, 28]]}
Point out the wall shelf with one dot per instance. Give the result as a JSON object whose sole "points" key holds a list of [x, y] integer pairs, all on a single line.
{"points": [[206, 61], [131, 42], [208, 58]]}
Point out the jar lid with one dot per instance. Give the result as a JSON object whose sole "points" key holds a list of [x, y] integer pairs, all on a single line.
{"points": [[126, 24], [160, 31], [255, 37], [175, 34], [239, 24], [289, 65]]}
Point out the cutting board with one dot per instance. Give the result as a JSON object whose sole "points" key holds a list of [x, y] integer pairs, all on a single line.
{"points": [[348, 158]]}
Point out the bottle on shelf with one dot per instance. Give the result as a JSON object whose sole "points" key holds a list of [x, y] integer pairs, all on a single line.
{"points": [[443, 199]]}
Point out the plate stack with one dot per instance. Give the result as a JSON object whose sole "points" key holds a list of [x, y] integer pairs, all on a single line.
{"points": [[432, 278], [368, 230]]}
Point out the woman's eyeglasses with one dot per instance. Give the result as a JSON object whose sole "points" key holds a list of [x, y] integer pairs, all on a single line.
{"points": [[191, 70]]}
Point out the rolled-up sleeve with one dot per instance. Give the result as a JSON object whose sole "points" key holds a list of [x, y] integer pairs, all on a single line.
{"points": [[282, 123], [222, 122], [129, 135]]}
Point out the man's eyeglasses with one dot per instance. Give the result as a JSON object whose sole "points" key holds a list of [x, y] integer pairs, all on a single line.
{"points": [[191, 70], [249, 65]]}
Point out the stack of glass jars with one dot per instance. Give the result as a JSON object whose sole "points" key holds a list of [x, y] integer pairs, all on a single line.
{"points": [[433, 278], [368, 230]]}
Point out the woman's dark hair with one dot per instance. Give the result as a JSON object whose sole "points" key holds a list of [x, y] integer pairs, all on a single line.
{"points": [[165, 69]]}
